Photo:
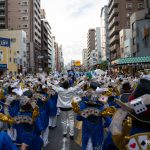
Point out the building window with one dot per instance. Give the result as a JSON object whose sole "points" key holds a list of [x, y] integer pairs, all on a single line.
{"points": [[15, 60], [25, 18], [24, 64], [24, 3], [129, 14], [24, 26], [20, 61], [9, 59], [134, 41], [128, 23], [137, 32], [24, 40], [24, 11], [24, 54], [129, 5], [140, 5], [13, 40]]}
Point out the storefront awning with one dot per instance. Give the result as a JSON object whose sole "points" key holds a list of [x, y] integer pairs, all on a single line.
{"points": [[133, 60]]}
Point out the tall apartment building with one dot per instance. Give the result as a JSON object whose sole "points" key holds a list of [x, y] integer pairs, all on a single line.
{"points": [[46, 46], [105, 54], [53, 54], [3, 14], [90, 43], [84, 57], [25, 15], [57, 60], [119, 12], [93, 58], [98, 44], [61, 59]]}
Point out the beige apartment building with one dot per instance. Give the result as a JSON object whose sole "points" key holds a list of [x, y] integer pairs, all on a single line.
{"points": [[25, 15], [15, 56], [119, 12], [8, 58]]}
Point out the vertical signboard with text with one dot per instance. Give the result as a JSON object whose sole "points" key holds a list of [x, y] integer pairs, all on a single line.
{"points": [[4, 46]]}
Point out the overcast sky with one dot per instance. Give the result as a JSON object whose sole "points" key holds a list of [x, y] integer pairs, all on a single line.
{"points": [[70, 21]]}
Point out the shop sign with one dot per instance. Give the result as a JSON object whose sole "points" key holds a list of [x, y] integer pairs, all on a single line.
{"points": [[3, 66], [5, 42]]}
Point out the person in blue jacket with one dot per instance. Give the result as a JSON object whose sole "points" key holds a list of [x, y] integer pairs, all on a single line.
{"points": [[26, 126], [44, 112], [6, 143], [53, 110]]}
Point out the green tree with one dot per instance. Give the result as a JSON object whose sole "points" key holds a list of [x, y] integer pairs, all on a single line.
{"points": [[104, 65]]}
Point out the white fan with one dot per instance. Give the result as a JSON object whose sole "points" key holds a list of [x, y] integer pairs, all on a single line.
{"points": [[20, 91]]}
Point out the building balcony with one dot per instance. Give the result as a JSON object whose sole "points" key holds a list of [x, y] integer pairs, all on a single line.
{"points": [[114, 30], [113, 48], [2, 23], [114, 39], [113, 4], [113, 56], [49, 61], [112, 23], [110, 2], [2, 8], [2, 1], [113, 13], [2, 15]]}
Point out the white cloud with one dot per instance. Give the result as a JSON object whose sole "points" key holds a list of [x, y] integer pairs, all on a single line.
{"points": [[70, 21]]}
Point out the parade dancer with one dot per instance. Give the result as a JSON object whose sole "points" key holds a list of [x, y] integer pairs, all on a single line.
{"points": [[89, 111], [53, 110], [65, 94], [44, 112], [5, 141], [130, 125], [25, 125]]}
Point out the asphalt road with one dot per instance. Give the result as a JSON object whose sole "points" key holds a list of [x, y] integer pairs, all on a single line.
{"points": [[58, 142]]}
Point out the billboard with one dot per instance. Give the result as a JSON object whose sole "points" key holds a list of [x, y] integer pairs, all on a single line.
{"points": [[5, 42], [77, 63]]}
